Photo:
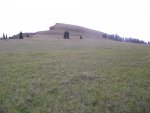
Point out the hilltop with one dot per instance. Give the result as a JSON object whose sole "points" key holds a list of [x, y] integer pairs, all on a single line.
{"points": [[59, 28], [74, 30]]}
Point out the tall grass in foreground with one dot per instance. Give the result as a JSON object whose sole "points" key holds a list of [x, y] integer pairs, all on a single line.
{"points": [[74, 76]]}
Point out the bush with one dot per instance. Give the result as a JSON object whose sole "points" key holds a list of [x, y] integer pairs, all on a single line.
{"points": [[104, 35], [81, 37]]}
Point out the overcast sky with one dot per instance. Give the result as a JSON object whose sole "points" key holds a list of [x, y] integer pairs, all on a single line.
{"points": [[124, 17]]}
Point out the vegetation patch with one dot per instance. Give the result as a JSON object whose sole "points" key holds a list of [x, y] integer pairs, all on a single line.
{"points": [[87, 76]]}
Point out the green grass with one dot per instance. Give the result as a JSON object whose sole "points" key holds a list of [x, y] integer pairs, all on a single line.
{"points": [[74, 76]]}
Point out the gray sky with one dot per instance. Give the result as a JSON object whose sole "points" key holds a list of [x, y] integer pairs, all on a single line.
{"points": [[124, 17]]}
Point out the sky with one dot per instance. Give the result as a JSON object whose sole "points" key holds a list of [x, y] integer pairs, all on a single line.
{"points": [[127, 18]]}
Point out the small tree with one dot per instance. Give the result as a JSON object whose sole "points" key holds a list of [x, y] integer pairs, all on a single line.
{"points": [[3, 36], [20, 35], [6, 36], [66, 35]]}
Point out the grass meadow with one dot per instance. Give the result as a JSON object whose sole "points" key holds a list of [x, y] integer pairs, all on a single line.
{"points": [[51, 75]]}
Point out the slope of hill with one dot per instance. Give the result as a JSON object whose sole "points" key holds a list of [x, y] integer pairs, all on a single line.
{"points": [[59, 28], [92, 75]]}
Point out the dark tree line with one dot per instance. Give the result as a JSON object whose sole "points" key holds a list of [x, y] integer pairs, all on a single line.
{"points": [[20, 35], [122, 39]]}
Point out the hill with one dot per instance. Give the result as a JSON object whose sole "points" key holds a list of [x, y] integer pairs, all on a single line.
{"points": [[59, 28], [57, 31]]}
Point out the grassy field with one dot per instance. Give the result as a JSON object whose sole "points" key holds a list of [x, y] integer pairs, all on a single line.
{"points": [[47, 75]]}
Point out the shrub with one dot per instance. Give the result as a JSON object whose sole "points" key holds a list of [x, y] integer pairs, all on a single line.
{"points": [[104, 35]]}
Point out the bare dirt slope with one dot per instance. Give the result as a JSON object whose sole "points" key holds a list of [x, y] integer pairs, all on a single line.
{"points": [[59, 28]]}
